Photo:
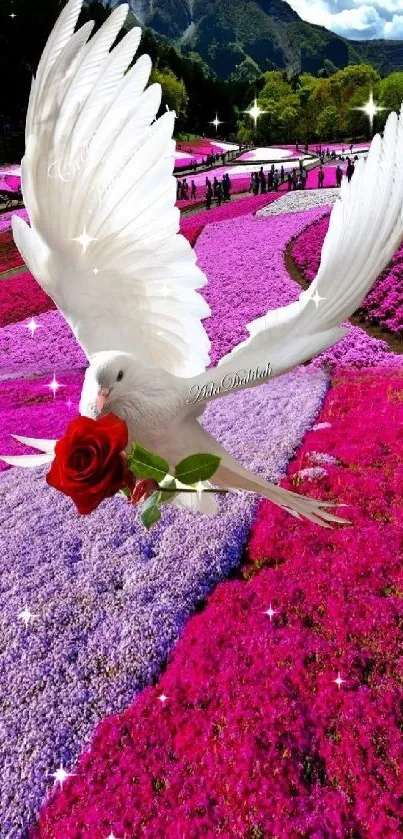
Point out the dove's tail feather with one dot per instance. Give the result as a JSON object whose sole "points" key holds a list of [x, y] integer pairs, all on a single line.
{"points": [[234, 476]]}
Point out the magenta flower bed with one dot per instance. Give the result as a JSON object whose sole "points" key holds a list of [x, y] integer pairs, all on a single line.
{"points": [[384, 303], [28, 408], [10, 257], [307, 247], [192, 226], [22, 297], [13, 182], [330, 177], [198, 147], [255, 738]]}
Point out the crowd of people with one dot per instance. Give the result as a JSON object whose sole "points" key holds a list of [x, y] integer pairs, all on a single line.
{"points": [[326, 153], [183, 189], [260, 182], [218, 191]]}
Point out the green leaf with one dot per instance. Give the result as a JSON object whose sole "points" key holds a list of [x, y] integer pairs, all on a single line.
{"points": [[152, 501], [172, 491], [146, 464], [126, 492], [150, 516], [197, 467]]}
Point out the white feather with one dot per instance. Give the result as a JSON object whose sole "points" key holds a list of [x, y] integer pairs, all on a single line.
{"points": [[96, 126]]}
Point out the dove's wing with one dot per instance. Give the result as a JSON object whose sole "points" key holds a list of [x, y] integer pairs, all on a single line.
{"points": [[32, 460], [98, 185], [366, 228]]}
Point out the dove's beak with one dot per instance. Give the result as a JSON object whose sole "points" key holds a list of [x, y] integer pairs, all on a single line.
{"points": [[103, 394]]}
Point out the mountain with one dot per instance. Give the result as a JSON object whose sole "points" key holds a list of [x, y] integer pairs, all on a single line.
{"points": [[242, 38]]}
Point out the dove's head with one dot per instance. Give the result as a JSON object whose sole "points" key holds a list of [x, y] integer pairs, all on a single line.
{"points": [[109, 383]]}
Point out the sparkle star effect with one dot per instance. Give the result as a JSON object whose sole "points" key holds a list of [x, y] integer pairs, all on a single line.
{"points": [[255, 112], [270, 612], [26, 615], [61, 775], [339, 681], [371, 109], [32, 326], [54, 385], [12, 15], [317, 298], [162, 698], [199, 489], [216, 122], [84, 240]]}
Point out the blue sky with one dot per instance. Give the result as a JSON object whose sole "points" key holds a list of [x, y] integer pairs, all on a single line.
{"points": [[358, 19]]}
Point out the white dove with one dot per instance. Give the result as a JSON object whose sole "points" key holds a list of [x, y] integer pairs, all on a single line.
{"points": [[103, 242]]}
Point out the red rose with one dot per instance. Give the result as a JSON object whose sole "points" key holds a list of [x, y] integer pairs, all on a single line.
{"points": [[88, 464], [143, 490]]}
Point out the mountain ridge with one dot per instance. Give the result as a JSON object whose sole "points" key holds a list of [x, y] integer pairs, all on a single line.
{"points": [[243, 38]]}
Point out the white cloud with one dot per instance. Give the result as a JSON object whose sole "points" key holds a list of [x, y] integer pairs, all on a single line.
{"points": [[394, 28], [356, 19]]}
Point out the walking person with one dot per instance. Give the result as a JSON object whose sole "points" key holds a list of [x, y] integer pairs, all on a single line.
{"points": [[226, 187], [321, 177], [193, 191], [339, 175], [219, 194], [209, 195], [350, 169]]}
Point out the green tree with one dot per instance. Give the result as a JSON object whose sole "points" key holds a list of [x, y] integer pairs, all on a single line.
{"points": [[173, 91], [390, 92], [328, 124], [344, 83]]}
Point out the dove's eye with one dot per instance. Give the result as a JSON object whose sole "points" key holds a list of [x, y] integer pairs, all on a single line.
{"points": [[119, 377]]}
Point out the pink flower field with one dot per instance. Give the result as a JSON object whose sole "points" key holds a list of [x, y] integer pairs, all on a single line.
{"points": [[237, 676], [384, 304]]}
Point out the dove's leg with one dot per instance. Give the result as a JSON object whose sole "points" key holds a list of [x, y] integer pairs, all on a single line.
{"points": [[232, 475], [236, 477]]}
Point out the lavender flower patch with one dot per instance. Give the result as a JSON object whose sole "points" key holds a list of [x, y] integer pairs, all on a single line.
{"points": [[52, 347], [244, 261], [110, 598]]}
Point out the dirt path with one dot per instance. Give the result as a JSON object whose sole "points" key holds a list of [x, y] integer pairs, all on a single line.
{"points": [[394, 343], [13, 272]]}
